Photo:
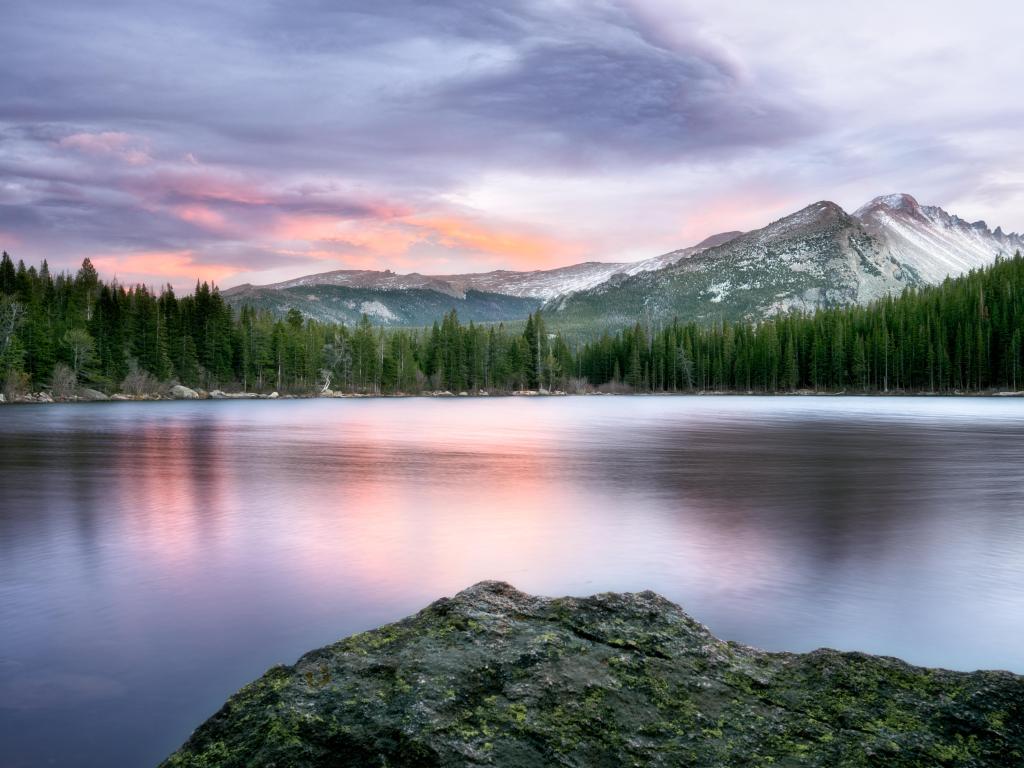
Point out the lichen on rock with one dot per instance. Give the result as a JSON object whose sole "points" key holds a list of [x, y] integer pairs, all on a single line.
{"points": [[496, 677]]}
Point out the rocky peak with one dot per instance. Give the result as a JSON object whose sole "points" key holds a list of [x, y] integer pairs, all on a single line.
{"points": [[823, 215], [901, 202]]}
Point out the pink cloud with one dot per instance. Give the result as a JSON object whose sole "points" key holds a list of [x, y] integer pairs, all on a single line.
{"points": [[389, 241], [522, 247], [181, 268], [750, 209], [201, 215], [373, 235], [128, 147]]}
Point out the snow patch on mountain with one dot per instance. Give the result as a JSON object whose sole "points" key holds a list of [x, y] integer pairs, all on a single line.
{"points": [[377, 310]]}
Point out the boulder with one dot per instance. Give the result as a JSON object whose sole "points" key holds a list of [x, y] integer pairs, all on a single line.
{"points": [[179, 392], [273, 396], [91, 395], [497, 677]]}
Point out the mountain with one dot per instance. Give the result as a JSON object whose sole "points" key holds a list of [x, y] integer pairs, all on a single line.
{"points": [[388, 298], [934, 243], [667, 259], [820, 256], [537, 284], [397, 306]]}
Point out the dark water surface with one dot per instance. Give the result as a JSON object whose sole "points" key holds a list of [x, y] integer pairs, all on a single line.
{"points": [[154, 557]]}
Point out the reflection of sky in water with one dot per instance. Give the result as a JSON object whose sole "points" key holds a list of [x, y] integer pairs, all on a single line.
{"points": [[154, 557]]}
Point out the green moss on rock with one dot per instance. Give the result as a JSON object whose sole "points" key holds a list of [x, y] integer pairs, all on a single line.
{"points": [[497, 677]]}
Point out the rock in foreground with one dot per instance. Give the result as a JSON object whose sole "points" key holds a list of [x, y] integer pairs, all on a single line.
{"points": [[497, 677]]}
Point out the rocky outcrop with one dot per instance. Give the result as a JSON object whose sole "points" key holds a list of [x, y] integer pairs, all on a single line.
{"points": [[497, 677], [179, 392], [216, 394], [34, 397], [91, 395]]}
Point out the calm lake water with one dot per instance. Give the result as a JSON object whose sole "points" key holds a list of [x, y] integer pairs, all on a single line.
{"points": [[154, 557]]}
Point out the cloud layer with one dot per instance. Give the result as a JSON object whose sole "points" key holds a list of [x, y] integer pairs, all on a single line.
{"points": [[258, 141]]}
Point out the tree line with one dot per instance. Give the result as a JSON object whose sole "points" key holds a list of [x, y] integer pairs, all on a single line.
{"points": [[68, 330]]}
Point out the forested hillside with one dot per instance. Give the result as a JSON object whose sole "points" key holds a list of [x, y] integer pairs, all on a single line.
{"points": [[408, 307], [64, 331], [964, 334]]}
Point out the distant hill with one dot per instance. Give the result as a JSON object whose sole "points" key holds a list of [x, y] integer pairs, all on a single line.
{"points": [[394, 307]]}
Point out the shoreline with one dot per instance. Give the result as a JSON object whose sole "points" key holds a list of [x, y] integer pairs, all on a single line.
{"points": [[46, 398]]}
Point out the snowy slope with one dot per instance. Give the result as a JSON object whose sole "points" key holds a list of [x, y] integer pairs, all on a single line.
{"points": [[538, 284], [819, 256], [543, 284], [667, 259], [369, 279], [934, 243]]}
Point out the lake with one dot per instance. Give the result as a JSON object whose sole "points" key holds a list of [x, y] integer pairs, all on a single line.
{"points": [[155, 557]]}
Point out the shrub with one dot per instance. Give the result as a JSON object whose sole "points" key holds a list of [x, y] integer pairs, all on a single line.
{"points": [[140, 382], [16, 384], [578, 386], [64, 381]]}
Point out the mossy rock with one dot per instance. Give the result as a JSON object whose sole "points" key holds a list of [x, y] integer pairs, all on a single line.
{"points": [[497, 677]]}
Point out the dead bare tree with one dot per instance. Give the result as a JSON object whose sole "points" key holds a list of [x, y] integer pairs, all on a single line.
{"points": [[11, 314]]}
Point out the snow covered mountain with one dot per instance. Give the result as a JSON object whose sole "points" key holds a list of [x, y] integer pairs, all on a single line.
{"points": [[934, 243], [819, 256]]}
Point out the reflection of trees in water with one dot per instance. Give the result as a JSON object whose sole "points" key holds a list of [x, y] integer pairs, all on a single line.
{"points": [[837, 487]]}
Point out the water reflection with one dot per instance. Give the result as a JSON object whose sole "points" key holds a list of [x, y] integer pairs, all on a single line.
{"points": [[154, 557]]}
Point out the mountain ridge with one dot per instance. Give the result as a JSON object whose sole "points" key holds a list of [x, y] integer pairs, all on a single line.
{"points": [[818, 256]]}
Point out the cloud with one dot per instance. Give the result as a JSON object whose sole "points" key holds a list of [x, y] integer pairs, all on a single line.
{"points": [[180, 267], [620, 101], [123, 145], [426, 134]]}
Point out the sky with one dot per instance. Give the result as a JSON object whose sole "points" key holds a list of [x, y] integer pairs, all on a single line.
{"points": [[261, 140]]}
